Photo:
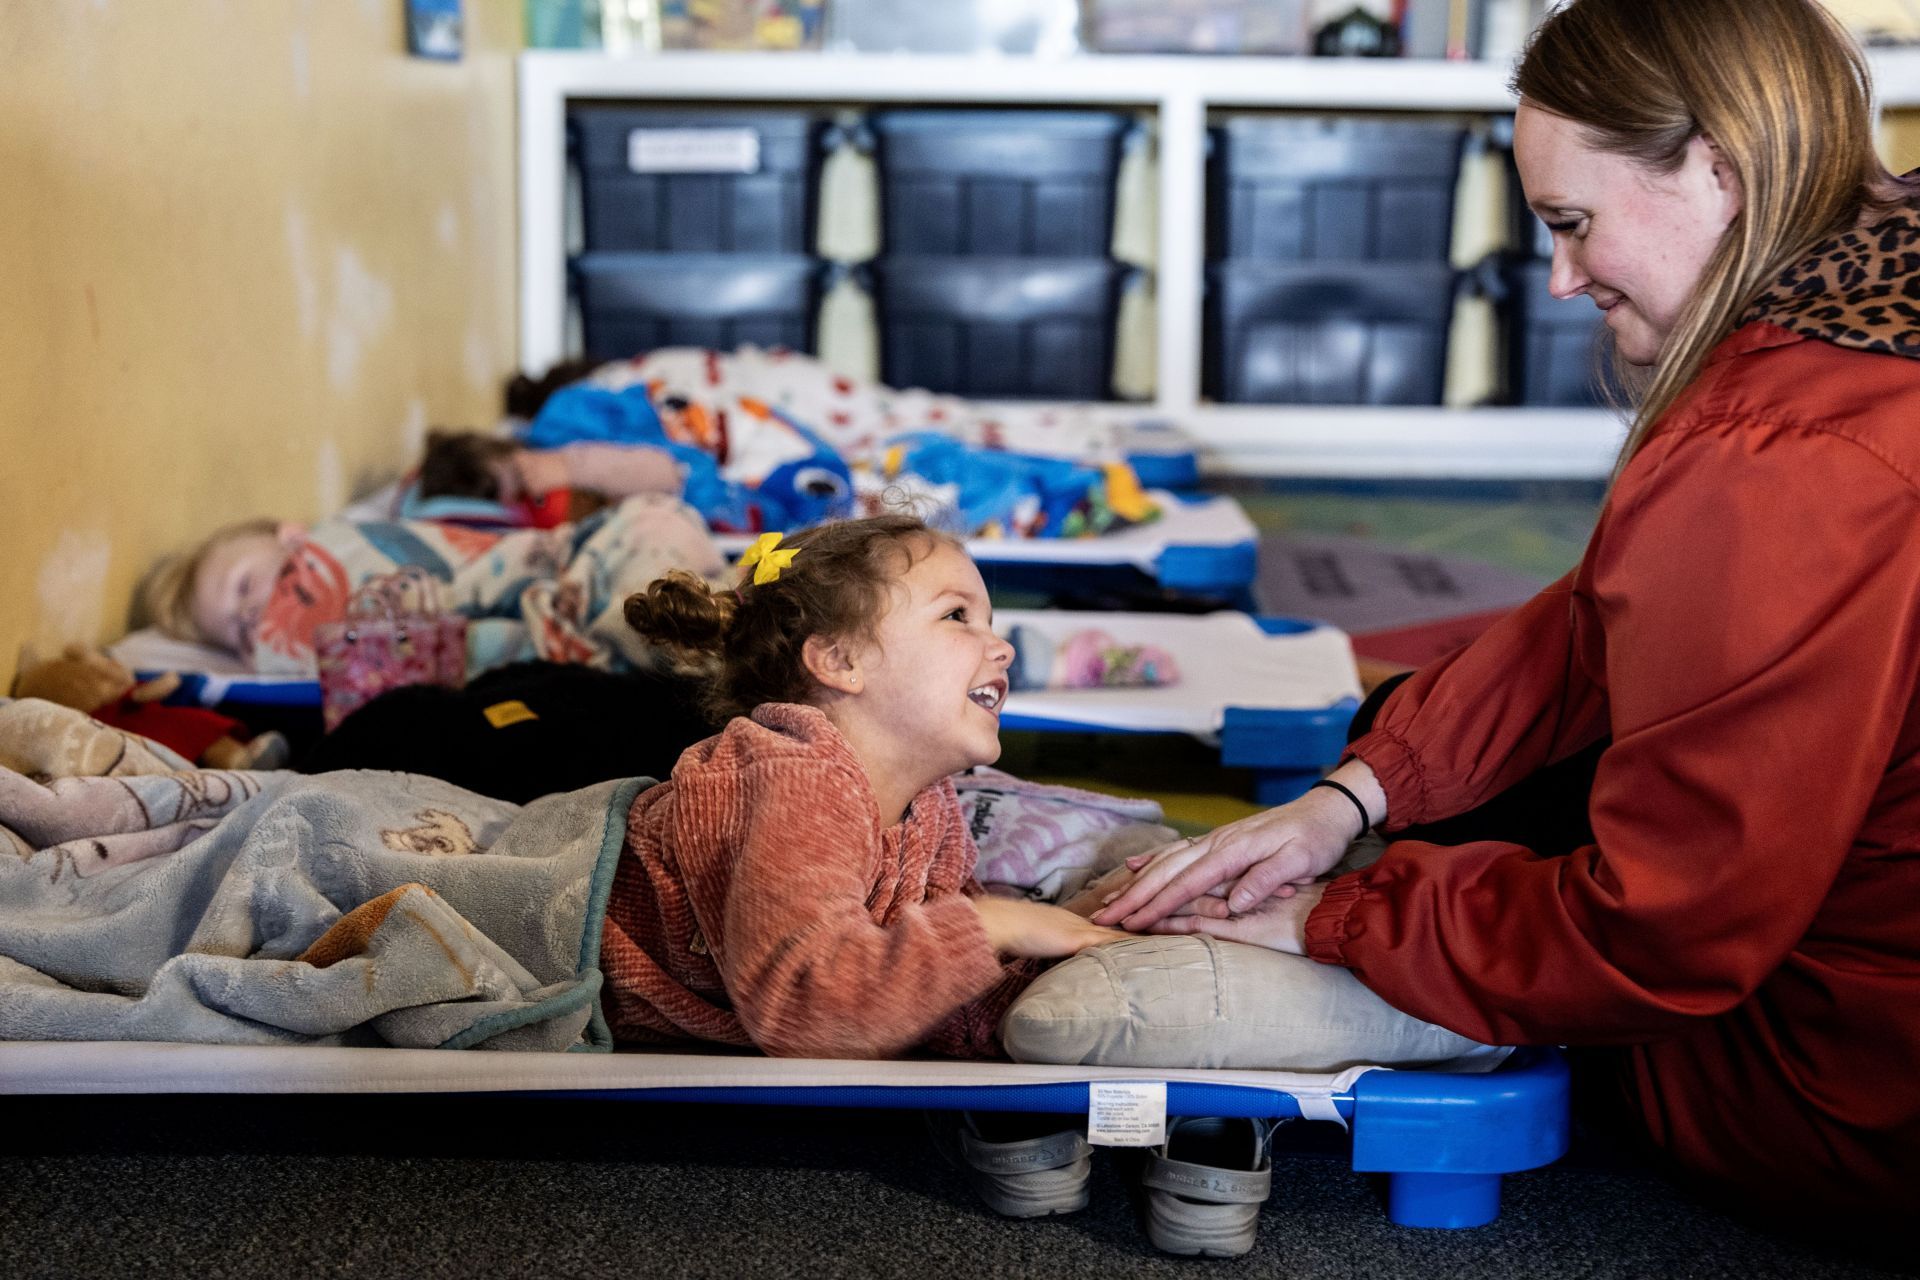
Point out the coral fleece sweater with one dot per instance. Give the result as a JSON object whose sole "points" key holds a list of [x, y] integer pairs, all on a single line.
{"points": [[759, 902], [1745, 931]]}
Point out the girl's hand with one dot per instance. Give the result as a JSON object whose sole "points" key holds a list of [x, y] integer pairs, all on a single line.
{"points": [[1100, 892], [1034, 930], [1278, 923], [1269, 854]]}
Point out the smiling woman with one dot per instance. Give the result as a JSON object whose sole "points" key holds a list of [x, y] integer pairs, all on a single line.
{"points": [[1683, 166], [1712, 885]]}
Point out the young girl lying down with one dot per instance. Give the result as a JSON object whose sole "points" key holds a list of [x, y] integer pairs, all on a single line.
{"points": [[804, 882]]}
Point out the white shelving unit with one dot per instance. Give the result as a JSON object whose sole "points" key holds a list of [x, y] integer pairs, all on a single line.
{"points": [[1234, 439]]}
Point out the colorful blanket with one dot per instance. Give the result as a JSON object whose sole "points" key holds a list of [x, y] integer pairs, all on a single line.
{"points": [[559, 591], [356, 908], [776, 440]]}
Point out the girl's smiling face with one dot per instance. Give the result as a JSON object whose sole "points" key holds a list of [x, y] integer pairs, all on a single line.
{"points": [[1633, 240], [922, 700]]}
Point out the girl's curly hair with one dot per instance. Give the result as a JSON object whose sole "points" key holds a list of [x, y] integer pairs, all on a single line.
{"points": [[836, 586]]}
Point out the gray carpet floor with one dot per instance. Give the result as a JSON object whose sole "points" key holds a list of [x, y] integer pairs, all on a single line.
{"points": [[482, 1186]]}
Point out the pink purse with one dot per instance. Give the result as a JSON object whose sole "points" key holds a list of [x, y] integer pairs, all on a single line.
{"points": [[395, 633]]}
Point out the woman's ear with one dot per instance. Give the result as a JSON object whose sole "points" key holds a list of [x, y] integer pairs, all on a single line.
{"points": [[1725, 177], [831, 663]]}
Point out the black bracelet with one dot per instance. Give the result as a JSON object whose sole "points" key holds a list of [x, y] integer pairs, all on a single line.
{"points": [[1366, 823]]}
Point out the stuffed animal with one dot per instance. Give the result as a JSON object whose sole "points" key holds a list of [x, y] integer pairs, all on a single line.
{"points": [[88, 680]]}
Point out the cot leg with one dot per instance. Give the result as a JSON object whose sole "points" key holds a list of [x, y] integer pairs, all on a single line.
{"points": [[1443, 1199]]}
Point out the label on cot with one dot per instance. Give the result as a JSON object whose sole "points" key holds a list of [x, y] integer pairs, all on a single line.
{"points": [[502, 714], [1126, 1113], [693, 151]]}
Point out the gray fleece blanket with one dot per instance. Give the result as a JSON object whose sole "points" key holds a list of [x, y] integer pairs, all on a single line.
{"points": [[354, 908]]}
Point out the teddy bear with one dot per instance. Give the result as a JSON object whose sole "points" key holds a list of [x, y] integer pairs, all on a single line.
{"points": [[88, 680]]}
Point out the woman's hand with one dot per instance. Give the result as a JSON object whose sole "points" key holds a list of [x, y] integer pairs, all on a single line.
{"points": [[1034, 930], [1278, 923], [1269, 854]]}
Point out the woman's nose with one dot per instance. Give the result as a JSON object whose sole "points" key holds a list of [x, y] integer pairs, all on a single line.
{"points": [[1566, 280]]}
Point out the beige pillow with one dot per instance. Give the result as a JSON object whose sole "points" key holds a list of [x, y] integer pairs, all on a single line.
{"points": [[1193, 1001]]}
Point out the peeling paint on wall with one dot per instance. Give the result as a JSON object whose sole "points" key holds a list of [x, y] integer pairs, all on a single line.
{"points": [[72, 587], [362, 305], [447, 227], [306, 285], [477, 355], [329, 478], [302, 53], [413, 430]]}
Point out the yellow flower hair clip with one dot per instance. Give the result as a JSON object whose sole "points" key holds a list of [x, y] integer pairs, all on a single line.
{"points": [[765, 561]]}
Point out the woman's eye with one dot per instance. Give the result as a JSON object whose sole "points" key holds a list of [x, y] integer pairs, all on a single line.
{"points": [[1564, 228]]}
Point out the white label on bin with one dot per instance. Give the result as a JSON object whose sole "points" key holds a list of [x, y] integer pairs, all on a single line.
{"points": [[693, 151], [1127, 1113]]}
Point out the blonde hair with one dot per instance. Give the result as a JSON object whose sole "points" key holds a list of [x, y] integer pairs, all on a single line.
{"points": [[1783, 93], [167, 594], [754, 636]]}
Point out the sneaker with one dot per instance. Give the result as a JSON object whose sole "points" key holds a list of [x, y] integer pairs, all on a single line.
{"points": [[1023, 1165], [1205, 1185]]}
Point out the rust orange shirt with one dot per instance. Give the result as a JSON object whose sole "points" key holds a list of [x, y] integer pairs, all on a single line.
{"points": [[1745, 627], [759, 902]]}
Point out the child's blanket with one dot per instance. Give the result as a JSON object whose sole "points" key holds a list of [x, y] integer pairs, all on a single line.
{"points": [[776, 440], [269, 908], [566, 585]]}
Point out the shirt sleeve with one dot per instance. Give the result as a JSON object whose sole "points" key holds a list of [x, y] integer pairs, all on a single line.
{"points": [[1758, 593], [1464, 728], [810, 972]]}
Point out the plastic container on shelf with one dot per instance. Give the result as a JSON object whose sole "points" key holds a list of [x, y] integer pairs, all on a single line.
{"points": [[1009, 328], [666, 180], [1316, 188], [1275, 27], [998, 183], [633, 302], [1368, 333], [1551, 347]]}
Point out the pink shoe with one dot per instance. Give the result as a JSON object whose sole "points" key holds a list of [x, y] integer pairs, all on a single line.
{"points": [[1093, 659]]}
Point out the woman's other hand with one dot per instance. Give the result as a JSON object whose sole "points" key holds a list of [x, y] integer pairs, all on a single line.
{"points": [[1279, 924], [1034, 930], [1266, 855]]}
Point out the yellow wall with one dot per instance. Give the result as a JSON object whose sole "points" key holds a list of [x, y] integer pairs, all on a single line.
{"points": [[249, 250]]}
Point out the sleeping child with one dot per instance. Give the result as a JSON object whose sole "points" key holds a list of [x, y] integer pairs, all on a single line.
{"points": [[804, 882], [260, 589], [470, 477]]}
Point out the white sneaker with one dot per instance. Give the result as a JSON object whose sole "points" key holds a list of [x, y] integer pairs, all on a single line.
{"points": [[1205, 1185]]}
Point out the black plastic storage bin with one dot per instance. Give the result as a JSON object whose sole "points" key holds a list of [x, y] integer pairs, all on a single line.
{"points": [[1550, 346], [679, 181], [1318, 189], [634, 302], [1328, 333], [997, 183], [1008, 328]]}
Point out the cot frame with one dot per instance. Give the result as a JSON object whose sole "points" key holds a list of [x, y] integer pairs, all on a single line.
{"points": [[1443, 1140]]}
